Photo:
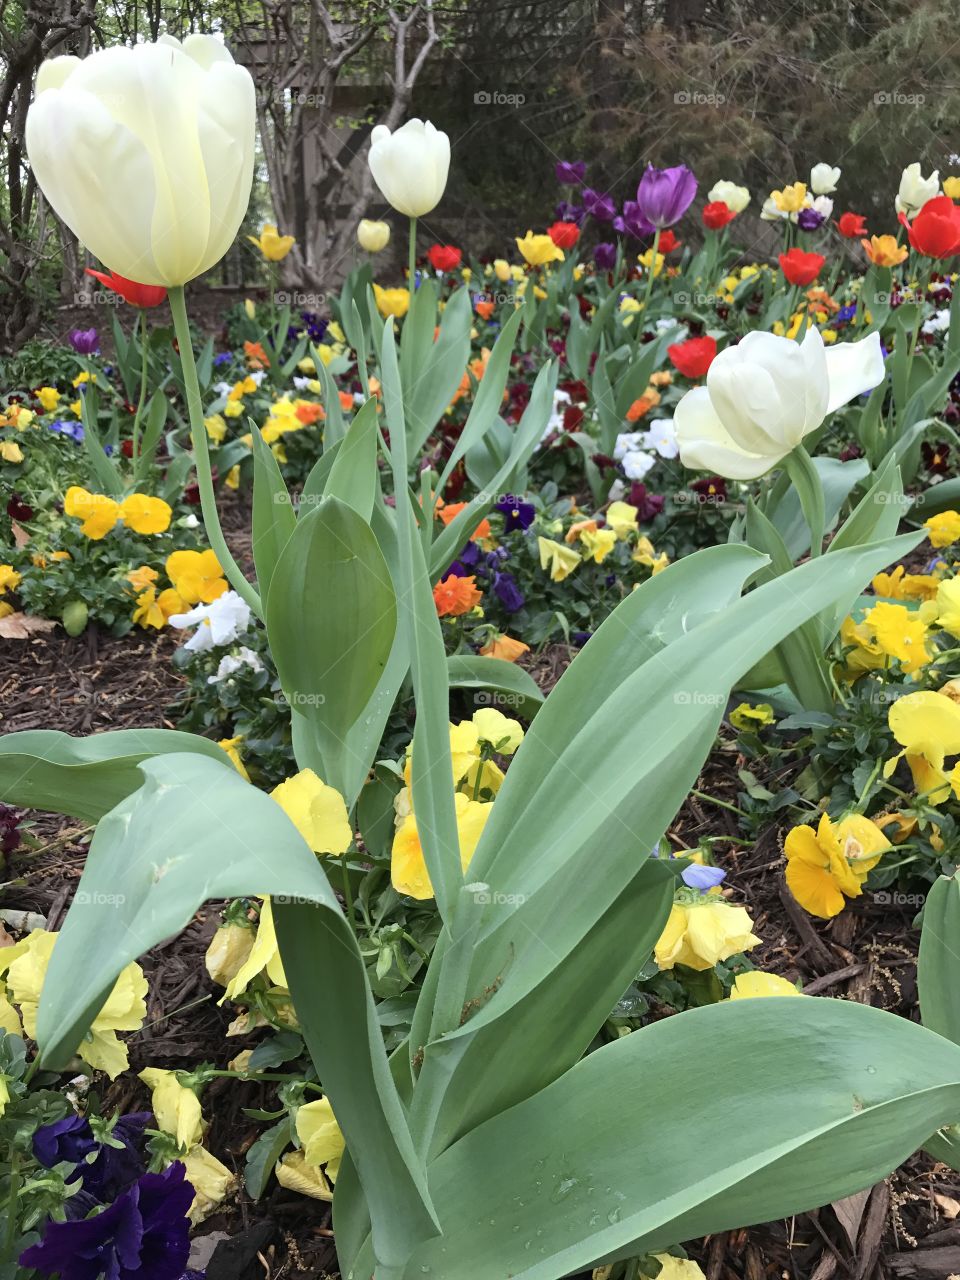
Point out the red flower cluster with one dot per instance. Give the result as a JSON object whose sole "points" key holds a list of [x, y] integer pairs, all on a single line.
{"points": [[444, 257], [564, 234], [935, 231], [694, 357], [716, 215], [800, 267]]}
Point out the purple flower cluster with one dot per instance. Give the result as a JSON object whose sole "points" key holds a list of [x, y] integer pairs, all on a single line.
{"points": [[142, 1234]]}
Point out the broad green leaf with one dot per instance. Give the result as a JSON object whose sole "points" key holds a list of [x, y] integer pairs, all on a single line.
{"points": [[432, 367], [517, 692], [816, 1099], [353, 476], [938, 498], [333, 428], [196, 830], [331, 614], [84, 777], [274, 518], [938, 966], [838, 480]]}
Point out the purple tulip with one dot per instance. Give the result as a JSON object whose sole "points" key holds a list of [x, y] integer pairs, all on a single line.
{"points": [[599, 205], [810, 219], [632, 222], [84, 341], [664, 195], [567, 212], [570, 173], [605, 256], [143, 1235]]}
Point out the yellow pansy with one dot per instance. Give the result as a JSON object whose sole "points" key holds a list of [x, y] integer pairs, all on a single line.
{"points": [[271, 244], [10, 451], [228, 952], [175, 1107], [621, 517], [294, 1174], [232, 748], [748, 986], [317, 811], [537, 251], [216, 427], [49, 397], [746, 716], [597, 544], [264, 957], [948, 606], [560, 560], [629, 308], [830, 864], [644, 554], [196, 575], [701, 934], [672, 1268], [153, 610], [9, 578], [502, 733], [125, 1009], [142, 578], [210, 1180], [320, 1136], [98, 512], [408, 869], [901, 633], [791, 199], [943, 529], [391, 302], [76, 408], [4, 1093], [9, 1018], [927, 727], [144, 514], [900, 585]]}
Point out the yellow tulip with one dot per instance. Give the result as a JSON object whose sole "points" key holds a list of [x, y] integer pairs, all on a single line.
{"points": [[392, 302], [537, 251], [271, 244], [373, 236]]}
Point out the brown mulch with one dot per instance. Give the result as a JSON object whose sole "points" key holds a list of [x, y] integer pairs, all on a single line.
{"points": [[96, 682]]}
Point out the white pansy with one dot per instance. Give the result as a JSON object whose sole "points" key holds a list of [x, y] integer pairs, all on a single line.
{"points": [[219, 623], [231, 663], [662, 438]]}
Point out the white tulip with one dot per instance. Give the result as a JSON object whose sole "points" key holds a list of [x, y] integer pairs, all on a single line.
{"points": [[410, 166], [735, 198], [916, 190], [824, 179], [823, 206], [764, 395], [373, 236], [771, 212], [147, 153]]}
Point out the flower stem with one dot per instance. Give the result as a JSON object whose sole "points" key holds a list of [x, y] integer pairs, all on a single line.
{"points": [[651, 273], [201, 453], [142, 322], [411, 282]]}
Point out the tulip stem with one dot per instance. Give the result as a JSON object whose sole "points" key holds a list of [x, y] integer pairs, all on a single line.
{"points": [[201, 453], [142, 334], [411, 282], [806, 480], [651, 271]]}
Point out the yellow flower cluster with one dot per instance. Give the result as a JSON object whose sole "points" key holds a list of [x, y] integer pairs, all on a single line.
{"points": [[100, 513], [560, 559], [829, 865], [472, 742], [195, 577]]}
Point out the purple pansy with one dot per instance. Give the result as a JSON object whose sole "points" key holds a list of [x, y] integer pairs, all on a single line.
{"points": [[508, 593], [143, 1235], [516, 514], [664, 195], [70, 1139], [810, 219], [72, 429]]}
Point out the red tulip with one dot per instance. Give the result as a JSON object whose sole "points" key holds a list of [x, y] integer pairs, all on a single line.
{"points": [[444, 257], [716, 215], [668, 242], [935, 231], [852, 225], [800, 267], [694, 357], [564, 234], [138, 295]]}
